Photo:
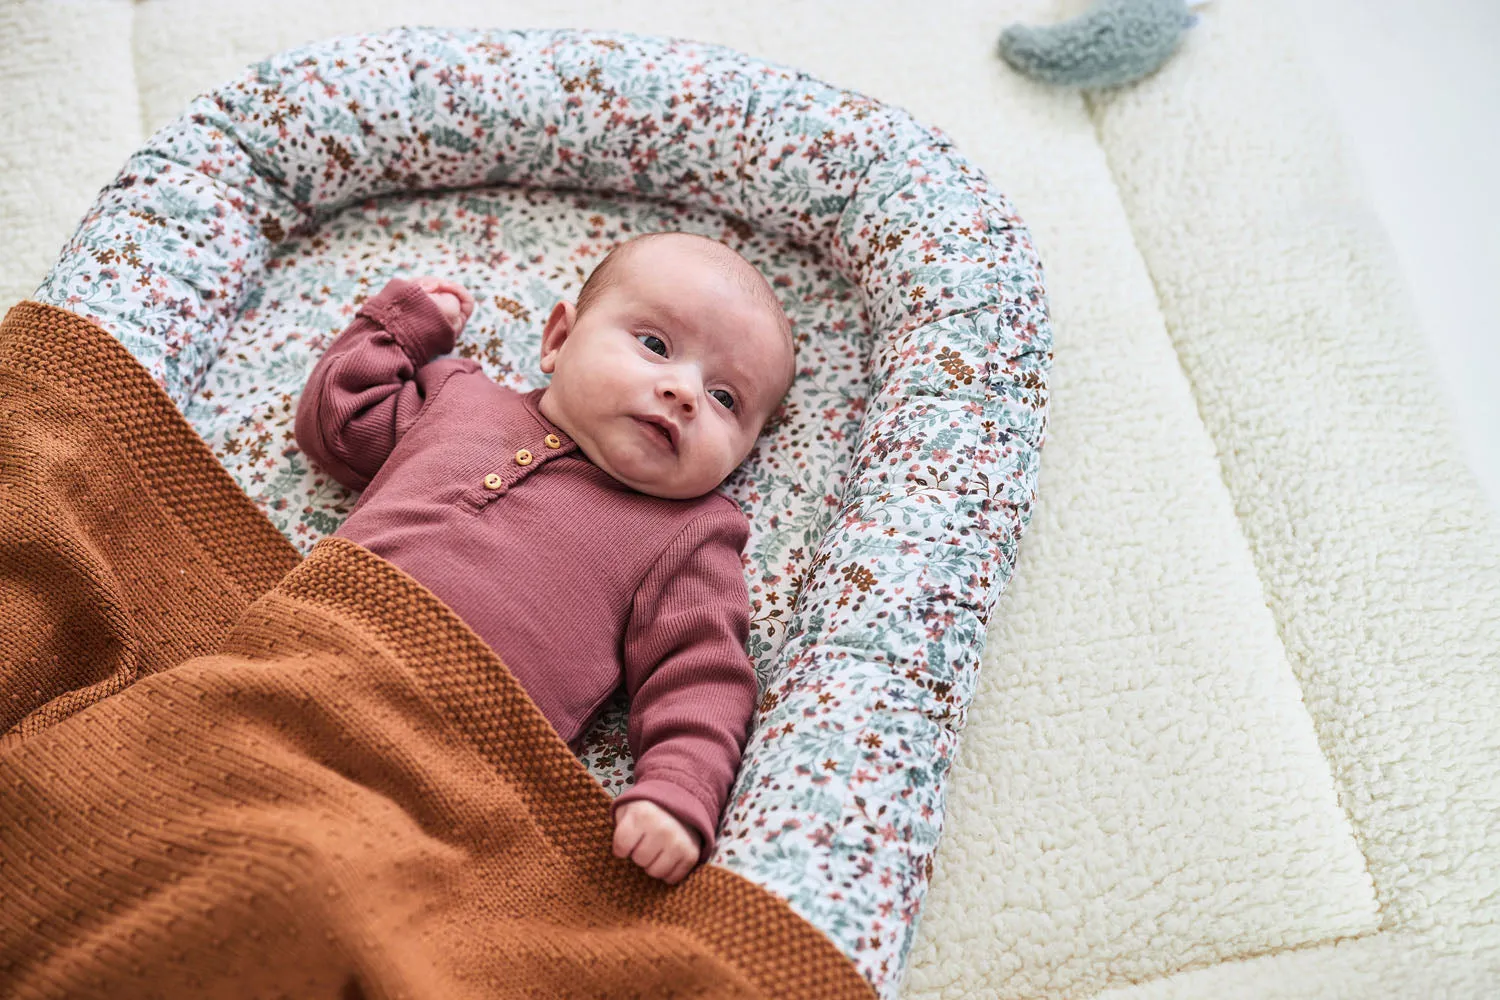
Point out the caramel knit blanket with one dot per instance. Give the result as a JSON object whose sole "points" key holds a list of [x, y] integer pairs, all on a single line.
{"points": [[228, 771]]}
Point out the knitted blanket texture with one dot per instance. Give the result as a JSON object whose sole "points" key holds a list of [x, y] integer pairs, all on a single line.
{"points": [[228, 771]]}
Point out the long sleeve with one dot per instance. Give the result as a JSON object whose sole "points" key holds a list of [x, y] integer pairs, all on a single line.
{"points": [[374, 381], [692, 686]]}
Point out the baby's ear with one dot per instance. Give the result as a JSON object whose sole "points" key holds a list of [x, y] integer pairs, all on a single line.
{"points": [[559, 325]]}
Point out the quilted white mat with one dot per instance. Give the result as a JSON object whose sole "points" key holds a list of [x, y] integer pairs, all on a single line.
{"points": [[1237, 729]]}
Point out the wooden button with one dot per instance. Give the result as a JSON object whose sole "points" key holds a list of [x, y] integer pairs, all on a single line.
{"points": [[523, 457], [552, 441], [492, 481]]}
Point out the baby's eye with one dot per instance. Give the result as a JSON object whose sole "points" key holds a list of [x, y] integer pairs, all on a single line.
{"points": [[647, 336], [728, 400]]}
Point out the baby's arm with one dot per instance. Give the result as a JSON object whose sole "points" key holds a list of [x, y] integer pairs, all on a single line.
{"points": [[374, 380], [692, 687]]}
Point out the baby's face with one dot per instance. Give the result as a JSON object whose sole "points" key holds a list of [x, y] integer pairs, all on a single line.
{"points": [[673, 338]]}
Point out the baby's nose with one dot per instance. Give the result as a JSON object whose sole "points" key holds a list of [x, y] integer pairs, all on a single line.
{"points": [[682, 385]]}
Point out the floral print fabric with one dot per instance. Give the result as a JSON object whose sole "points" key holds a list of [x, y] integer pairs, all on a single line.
{"points": [[886, 498]]}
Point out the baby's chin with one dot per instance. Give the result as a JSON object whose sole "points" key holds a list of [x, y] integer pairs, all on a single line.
{"points": [[670, 495], [666, 491], [647, 484]]}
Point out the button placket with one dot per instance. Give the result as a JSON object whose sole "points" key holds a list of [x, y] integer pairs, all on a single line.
{"points": [[493, 483]]}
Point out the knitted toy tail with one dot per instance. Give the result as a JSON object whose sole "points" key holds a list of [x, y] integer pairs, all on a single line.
{"points": [[1114, 42]]}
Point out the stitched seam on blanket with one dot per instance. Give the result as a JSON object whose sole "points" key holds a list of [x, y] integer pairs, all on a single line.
{"points": [[330, 580]]}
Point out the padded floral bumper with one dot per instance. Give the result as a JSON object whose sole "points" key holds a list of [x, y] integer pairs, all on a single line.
{"points": [[887, 498]]}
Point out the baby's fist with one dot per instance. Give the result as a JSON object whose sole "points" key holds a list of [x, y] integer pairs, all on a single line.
{"points": [[654, 839], [451, 298]]}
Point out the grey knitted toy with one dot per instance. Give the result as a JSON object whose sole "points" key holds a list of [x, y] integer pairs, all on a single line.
{"points": [[1114, 42]]}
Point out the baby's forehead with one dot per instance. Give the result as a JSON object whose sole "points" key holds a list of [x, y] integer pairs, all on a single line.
{"points": [[727, 339], [743, 276]]}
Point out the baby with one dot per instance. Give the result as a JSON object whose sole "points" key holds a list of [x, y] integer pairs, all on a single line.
{"points": [[576, 528]]}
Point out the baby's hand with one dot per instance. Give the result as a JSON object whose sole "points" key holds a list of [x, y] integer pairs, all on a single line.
{"points": [[453, 299], [655, 840]]}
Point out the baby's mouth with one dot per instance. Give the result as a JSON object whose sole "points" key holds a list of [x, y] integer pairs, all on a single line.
{"points": [[659, 431]]}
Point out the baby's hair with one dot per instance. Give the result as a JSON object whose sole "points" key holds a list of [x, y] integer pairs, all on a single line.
{"points": [[602, 277]]}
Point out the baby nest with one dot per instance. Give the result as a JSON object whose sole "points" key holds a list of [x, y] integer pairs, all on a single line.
{"points": [[887, 497]]}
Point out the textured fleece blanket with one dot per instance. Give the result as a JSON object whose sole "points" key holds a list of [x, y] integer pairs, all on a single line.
{"points": [[229, 771]]}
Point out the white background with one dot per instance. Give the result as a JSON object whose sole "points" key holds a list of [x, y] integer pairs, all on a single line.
{"points": [[1417, 85]]}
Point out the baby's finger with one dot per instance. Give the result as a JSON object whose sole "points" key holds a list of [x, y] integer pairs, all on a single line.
{"points": [[448, 306], [628, 836], [646, 853], [670, 861], [682, 870]]}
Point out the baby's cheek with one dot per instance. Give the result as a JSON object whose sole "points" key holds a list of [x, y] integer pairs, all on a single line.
{"points": [[596, 391], [741, 448]]}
